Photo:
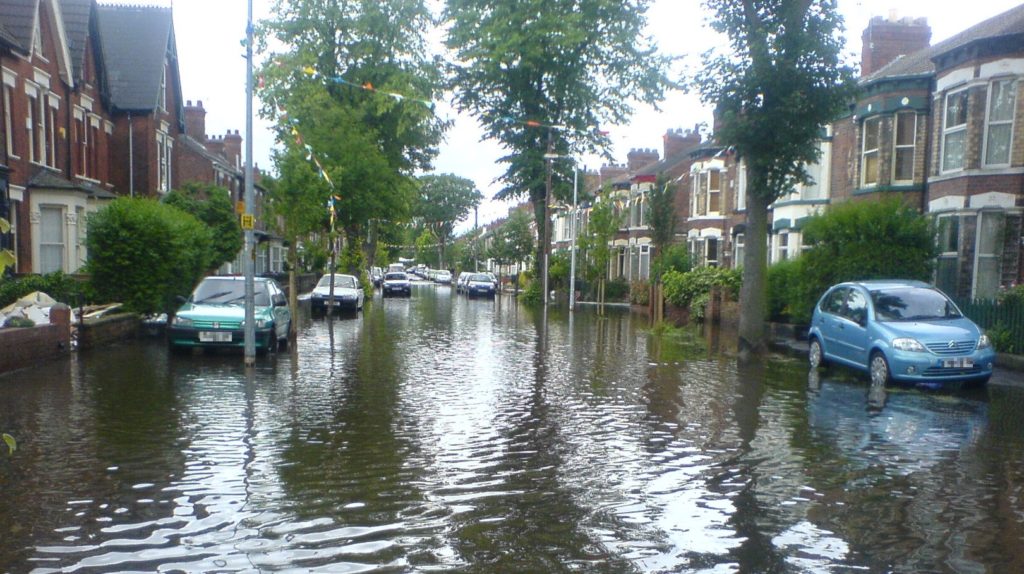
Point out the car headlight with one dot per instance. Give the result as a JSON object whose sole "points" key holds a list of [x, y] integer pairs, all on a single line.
{"points": [[984, 342], [908, 344], [180, 321]]}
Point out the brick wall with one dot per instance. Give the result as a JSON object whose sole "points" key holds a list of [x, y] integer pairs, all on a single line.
{"points": [[29, 346], [107, 330]]}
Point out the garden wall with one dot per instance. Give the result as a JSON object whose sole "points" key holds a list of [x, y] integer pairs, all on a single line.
{"points": [[30, 346]]}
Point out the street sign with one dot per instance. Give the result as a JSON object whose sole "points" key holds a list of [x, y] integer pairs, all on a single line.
{"points": [[239, 207], [248, 221]]}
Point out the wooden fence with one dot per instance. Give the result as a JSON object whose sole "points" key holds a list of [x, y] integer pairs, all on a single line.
{"points": [[1002, 320]]}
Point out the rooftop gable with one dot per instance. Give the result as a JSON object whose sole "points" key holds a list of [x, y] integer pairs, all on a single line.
{"points": [[136, 42]]}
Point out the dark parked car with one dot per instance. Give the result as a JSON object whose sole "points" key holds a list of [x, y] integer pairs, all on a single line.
{"points": [[396, 283], [480, 285], [898, 330]]}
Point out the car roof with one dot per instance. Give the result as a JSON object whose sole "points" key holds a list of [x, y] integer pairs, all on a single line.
{"points": [[235, 278], [883, 284]]}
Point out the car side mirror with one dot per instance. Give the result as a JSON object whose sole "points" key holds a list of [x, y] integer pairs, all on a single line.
{"points": [[279, 300], [181, 299]]}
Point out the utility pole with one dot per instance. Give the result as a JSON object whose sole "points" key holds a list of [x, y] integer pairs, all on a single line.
{"points": [[547, 218], [575, 232], [248, 217]]}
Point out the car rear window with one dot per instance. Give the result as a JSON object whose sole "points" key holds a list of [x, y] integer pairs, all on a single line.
{"points": [[395, 276]]}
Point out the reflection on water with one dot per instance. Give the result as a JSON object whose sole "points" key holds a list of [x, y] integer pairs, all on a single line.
{"points": [[438, 433]]}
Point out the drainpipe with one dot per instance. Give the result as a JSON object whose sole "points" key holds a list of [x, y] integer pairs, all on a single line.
{"points": [[131, 156]]}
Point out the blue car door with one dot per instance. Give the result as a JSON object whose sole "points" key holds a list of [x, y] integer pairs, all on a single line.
{"points": [[852, 329], [829, 319]]}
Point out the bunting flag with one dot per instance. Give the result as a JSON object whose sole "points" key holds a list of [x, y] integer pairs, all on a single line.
{"points": [[368, 86]]}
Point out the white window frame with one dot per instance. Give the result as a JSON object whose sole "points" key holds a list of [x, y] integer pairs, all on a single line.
{"points": [[164, 152], [897, 147], [52, 113], [62, 246], [958, 129], [989, 122], [872, 152], [995, 254], [738, 247], [163, 88], [9, 85], [33, 128], [708, 261], [741, 187]]}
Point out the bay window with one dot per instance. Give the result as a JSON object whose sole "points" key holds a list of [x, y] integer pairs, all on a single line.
{"points": [[1002, 97], [869, 152], [903, 153], [954, 131]]}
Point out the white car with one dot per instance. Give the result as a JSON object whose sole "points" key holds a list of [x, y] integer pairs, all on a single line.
{"points": [[443, 277], [396, 283], [348, 294]]}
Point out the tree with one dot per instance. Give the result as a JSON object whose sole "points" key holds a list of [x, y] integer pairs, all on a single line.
{"points": [[145, 254], [296, 204], [604, 223], [443, 201], [331, 91], [782, 79], [662, 219], [6, 255], [513, 241], [211, 204], [527, 64]]}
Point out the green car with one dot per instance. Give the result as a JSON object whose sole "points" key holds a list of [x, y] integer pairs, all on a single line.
{"points": [[214, 315]]}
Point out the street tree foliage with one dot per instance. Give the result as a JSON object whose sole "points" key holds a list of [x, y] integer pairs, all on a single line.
{"points": [[662, 219], [595, 245], [6, 255], [144, 253], [212, 205], [781, 79], [513, 241], [572, 63], [296, 200], [443, 201], [328, 90]]}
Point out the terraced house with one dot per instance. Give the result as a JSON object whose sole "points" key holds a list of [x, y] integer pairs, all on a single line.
{"points": [[91, 110]]}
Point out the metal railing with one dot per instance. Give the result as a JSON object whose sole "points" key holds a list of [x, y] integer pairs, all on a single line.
{"points": [[1002, 320]]}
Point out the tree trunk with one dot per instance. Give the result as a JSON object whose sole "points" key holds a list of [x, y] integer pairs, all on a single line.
{"points": [[371, 244], [753, 295], [539, 209]]}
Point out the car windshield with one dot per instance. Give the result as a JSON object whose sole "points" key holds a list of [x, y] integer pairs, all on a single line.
{"points": [[481, 278], [229, 291], [912, 304], [340, 281], [395, 277]]}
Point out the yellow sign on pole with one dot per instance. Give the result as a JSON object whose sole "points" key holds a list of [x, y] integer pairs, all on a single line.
{"points": [[239, 207], [248, 221]]}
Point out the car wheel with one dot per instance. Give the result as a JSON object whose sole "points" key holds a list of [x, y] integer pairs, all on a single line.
{"points": [[815, 354], [879, 369]]}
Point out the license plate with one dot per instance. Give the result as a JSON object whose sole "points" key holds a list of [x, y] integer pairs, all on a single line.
{"points": [[215, 336], [957, 363]]}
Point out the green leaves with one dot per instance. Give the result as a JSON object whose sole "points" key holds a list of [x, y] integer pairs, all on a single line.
{"points": [[12, 445]]}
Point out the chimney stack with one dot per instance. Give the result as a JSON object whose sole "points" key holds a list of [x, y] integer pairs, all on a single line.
{"points": [[639, 158], [886, 39], [195, 121], [677, 141], [233, 148]]}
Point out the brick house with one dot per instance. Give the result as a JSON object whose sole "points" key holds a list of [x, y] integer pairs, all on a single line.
{"points": [[940, 126], [91, 109]]}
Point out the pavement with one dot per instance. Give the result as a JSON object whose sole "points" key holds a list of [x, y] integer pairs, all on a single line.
{"points": [[1009, 369]]}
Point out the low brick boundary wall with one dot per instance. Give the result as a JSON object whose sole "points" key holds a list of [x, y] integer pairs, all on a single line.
{"points": [[106, 330], [30, 346]]}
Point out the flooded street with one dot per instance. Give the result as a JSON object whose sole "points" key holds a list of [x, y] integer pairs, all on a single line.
{"points": [[439, 433]]}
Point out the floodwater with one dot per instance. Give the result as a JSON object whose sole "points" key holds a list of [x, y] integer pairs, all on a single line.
{"points": [[443, 434]]}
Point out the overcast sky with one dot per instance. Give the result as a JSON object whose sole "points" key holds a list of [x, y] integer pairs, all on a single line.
{"points": [[212, 64]]}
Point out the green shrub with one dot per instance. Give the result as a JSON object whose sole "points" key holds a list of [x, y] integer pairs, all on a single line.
{"points": [[558, 271], [674, 258], [531, 294], [15, 322], [144, 254], [1011, 295], [616, 290], [61, 287], [788, 298], [867, 240], [690, 289], [640, 292]]}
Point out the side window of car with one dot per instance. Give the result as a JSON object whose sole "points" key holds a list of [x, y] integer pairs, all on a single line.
{"points": [[856, 307], [834, 302]]}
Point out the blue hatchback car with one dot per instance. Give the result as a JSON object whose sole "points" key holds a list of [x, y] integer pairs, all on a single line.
{"points": [[905, 331]]}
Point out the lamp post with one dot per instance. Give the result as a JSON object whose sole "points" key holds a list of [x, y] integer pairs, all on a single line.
{"points": [[572, 251], [250, 308]]}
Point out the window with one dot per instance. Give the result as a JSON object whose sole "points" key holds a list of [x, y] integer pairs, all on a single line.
{"points": [[782, 244], [741, 186], [711, 252], [869, 152], [50, 130], [80, 244], [738, 251], [1002, 97], [949, 248], [707, 193], [163, 150], [163, 88], [903, 154], [31, 126], [856, 307], [51, 239], [990, 228], [954, 131], [8, 115], [645, 261]]}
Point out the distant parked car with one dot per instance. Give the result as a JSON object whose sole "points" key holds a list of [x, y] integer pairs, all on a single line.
{"points": [[460, 281], [376, 276], [396, 283], [480, 285], [906, 331], [443, 277], [348, 294], [213, 316]]}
